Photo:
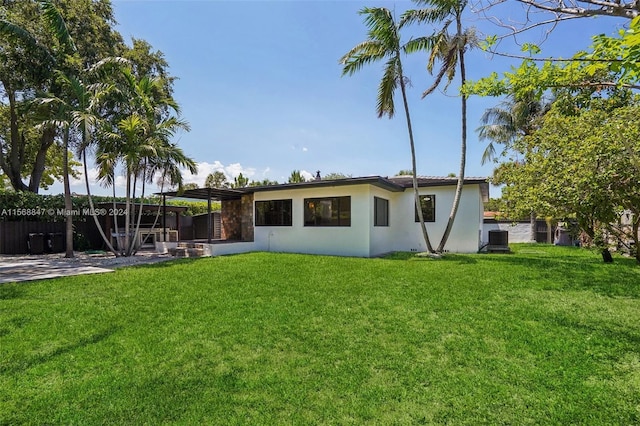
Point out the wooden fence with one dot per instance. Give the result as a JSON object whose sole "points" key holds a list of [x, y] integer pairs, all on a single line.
{"points": [[15, 236]]}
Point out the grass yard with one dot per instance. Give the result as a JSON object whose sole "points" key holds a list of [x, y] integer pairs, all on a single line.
{"points": [[547, 335]]}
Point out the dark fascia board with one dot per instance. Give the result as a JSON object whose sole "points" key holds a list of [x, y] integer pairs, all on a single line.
{"points": [[378, 181], [407, 181], [423, 182], [394, 184], [206, 194]]}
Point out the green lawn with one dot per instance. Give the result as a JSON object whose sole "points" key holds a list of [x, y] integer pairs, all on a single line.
{"points": [[547, 335]]}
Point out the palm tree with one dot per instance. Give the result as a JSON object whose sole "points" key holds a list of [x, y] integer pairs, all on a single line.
{"points": [[296, 177], [78, 106], [383, 43], [449, 50], [510, 120], [139, 142]]}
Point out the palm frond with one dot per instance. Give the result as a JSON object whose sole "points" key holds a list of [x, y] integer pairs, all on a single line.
{"points": [[362, 54], [423, 16], [387, 88], [57, 23], [444, 70], [420, 44]]}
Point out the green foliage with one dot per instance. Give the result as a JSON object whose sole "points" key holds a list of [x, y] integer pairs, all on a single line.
{"points": [[216, 179], [334, 176], [264, 182], [584, 163], [296, 177], [611, 61], [37, 38], [547, 335], [404, 173], [195, 207], [240, 181]]}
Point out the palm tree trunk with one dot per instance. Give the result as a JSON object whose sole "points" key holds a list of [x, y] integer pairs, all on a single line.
{"points": [[91, 205], [416, 192], [116, 228], [68, 205], [463, 146], [127, 217], [134, 250], [532, 227]]}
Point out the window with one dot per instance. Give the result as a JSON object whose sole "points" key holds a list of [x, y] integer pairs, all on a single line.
{"points": [[329, 211], [273, 213], [380, 212], [428, 203]]}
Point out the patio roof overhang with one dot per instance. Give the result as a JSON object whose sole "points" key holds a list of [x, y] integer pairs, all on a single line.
{"points": [[219, 194]]}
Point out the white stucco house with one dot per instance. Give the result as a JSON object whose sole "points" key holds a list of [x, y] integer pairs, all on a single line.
{"points": [[365, 216]]}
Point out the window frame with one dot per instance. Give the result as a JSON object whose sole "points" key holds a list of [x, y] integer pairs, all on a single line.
{"points": [[377, 220], [280, 212], [340, 203], [428, 216]]}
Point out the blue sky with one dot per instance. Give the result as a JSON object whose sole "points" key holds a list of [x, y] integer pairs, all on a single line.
{"points": [[261, 86]]}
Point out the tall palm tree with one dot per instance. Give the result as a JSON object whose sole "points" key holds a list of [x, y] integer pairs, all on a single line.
{"points": [[504, 124], [383, 43], [449, 50], [57, 24], [78, 105], [139, 143]]}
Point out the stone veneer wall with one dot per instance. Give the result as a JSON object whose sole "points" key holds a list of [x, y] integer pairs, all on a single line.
{"points": [[237, 219], [231, 216], [246, 217]]}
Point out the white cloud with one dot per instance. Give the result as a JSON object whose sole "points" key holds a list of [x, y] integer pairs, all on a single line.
{"points": [[305, 149], [231, 171], [308, 176]]}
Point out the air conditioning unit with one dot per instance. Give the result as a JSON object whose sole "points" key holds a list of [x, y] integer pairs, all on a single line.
{"points": [[498, 241]]}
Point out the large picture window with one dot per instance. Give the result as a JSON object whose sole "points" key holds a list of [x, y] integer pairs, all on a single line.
{"points": [[380, 212], [329, 211], [273, 213], [428, 204]]}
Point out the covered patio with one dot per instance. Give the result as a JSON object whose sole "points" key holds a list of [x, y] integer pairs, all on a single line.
{"points": [[236, 222]]}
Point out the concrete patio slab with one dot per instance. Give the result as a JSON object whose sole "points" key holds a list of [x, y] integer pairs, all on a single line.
{"points": [[43, 269]]}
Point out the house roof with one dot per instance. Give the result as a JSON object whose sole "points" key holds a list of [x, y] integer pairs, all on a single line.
{"points": [[393, 184]]}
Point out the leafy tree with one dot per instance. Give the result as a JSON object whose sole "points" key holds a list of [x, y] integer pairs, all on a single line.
{"points": [[383, 43], [264, 182], [32, 45], [334, 176], [404, 173], [449, 50], [296, 177], [191, 185], [579, 163], [240, 181], [216, 179], [514, 118], [587, 8]]}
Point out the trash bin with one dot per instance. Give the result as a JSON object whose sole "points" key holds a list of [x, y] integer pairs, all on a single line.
{"points": [[56, 243], [35, 243]]}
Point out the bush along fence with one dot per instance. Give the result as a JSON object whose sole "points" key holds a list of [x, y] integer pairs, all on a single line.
{"points": [[34, 223]]}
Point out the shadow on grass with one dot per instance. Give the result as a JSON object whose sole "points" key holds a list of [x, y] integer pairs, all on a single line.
{"points": [[579, 272], [447, 257], [618, 334], [10, 291], [22, 364], [169, 263]]}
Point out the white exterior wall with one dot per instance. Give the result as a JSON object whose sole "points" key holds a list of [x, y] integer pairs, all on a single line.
{"points": [[519, 232], [333, 240], [465, 235], [381, 237], [362, 238]]}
